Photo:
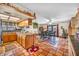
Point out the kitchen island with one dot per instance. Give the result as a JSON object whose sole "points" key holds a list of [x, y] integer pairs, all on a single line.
{"points": [[26, 40]]}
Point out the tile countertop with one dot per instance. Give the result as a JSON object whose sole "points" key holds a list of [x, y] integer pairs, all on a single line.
{"points": [[31, 32], [27, 33]]}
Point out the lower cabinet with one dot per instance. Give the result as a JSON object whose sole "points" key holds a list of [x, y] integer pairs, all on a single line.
{"points": [[12, 37], [5, 37], [18, 39], [9, 36], [29, 41], [23, 41], [26, 41]]}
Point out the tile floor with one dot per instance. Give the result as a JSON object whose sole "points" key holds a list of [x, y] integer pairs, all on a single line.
{"points": [[45, 49]]}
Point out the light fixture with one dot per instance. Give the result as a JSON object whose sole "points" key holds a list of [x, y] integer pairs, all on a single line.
{"points": [[14, 19], [3, 16]]}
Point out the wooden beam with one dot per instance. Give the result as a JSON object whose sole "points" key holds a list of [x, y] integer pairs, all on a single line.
{"points": [[18, 9]]}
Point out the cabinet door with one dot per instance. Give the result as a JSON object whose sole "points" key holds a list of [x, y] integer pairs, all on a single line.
{"points": [[12, 37], [23, 42], [8, 37], [26, 42], [21, 38], [29, 21], [29, 41], [5, 37], [18, 38]]}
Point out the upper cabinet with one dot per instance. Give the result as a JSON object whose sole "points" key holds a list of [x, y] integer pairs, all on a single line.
{"points": [[23, 23], [29, 21]]}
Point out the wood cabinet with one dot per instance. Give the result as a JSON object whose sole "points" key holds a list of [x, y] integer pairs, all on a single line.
{"points": [[5, 37], [29, 41], [23, 42], [19, 39], [29, 21], [26, 40], [8, 36], [12, 37]]}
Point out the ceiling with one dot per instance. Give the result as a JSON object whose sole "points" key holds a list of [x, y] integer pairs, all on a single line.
{"points": [[44, 11], [52, 10]]}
